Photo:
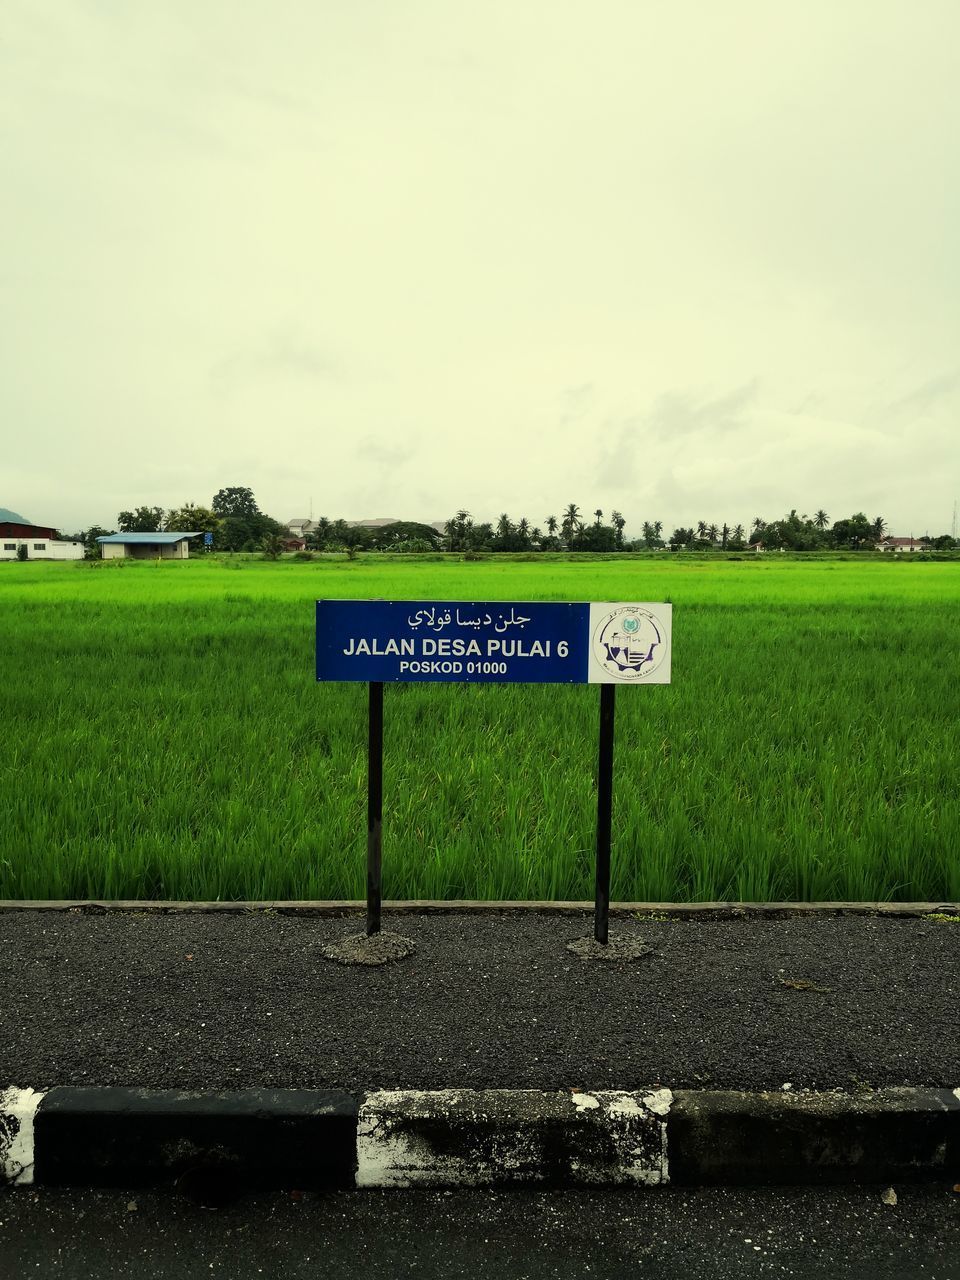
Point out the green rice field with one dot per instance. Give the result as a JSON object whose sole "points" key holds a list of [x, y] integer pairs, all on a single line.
{"points": [[164, 737]]}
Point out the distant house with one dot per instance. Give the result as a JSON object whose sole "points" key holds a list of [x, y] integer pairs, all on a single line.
{"points": [[40, 540], [146, 546], [901, 544], [294, 544], [300, 527]]}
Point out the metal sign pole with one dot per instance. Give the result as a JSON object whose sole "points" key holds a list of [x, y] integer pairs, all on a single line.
{"points": [[374, 805], [601, 913]]}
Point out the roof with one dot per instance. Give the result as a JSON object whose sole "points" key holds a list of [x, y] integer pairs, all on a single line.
{"points": [[23, 529], [156, 538]]}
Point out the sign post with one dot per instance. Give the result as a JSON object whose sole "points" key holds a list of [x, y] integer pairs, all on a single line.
{"points": [[374, 805], [601, 907], [531, 642]]}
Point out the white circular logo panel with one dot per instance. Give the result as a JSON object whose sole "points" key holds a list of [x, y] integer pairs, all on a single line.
{"points": [[629, 643]]}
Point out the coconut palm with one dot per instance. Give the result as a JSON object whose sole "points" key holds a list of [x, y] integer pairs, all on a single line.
{"points": [[599, 514], [551, 525], [457, 528], [821, 519], [571, 521]]}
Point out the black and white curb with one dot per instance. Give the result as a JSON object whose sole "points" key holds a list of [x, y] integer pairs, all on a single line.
{"points": [[273, 1138], [18, 1109], [133, 1137], [462, 1137]]}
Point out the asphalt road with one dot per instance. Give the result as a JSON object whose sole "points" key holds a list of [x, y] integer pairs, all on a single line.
{"points": [[671, 1235], [212, 1001]]}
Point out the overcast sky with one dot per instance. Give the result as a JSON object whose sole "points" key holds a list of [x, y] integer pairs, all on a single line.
{"points": [[683, 260]]}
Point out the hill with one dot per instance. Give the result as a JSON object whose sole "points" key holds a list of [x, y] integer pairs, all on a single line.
{"points": [[7, 514]]}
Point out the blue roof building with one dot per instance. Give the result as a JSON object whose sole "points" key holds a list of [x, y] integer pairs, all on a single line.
{"points": [[146, 546]]}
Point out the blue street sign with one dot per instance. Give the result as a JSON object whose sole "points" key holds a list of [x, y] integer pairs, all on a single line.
{"points": [[532, 642]]}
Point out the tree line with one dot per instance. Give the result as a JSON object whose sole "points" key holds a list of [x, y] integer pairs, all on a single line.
{"points": [[575, 531], [237, 524]]}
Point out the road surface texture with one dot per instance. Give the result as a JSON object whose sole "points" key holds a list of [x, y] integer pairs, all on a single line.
{"points": [[846, 1234], [222, 1001]]}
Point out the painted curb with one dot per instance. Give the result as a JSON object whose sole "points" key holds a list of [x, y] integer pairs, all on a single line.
{"points": [[18, 1109], [464, 1137], [315, 1139], [890, 1135], [260, 1138]]}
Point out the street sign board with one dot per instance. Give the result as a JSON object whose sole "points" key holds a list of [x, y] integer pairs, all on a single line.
{"points": [[531, 642]]}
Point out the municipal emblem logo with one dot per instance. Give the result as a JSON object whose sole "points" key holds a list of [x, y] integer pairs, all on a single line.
{"points": [[629, 643]]}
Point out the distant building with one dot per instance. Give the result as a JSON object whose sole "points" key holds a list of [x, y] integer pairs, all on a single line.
{"points": [[901, 544], [40, 540], [300, 527], [146, 546]]}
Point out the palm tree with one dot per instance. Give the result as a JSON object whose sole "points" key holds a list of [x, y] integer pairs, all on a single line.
{"points": [[738, 533], [758, 524], [317, 537], [617, 520], [599, 514], [571, 521], [657, 528], [701, 529], [879, 527], [523, 531], [821, 519], [456, 530], [713, 533], [551, 525]]}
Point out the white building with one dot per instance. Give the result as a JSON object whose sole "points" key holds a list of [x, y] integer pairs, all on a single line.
{"points": [[146, 546], [901, 544], [40, 541], [300, 527]]}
